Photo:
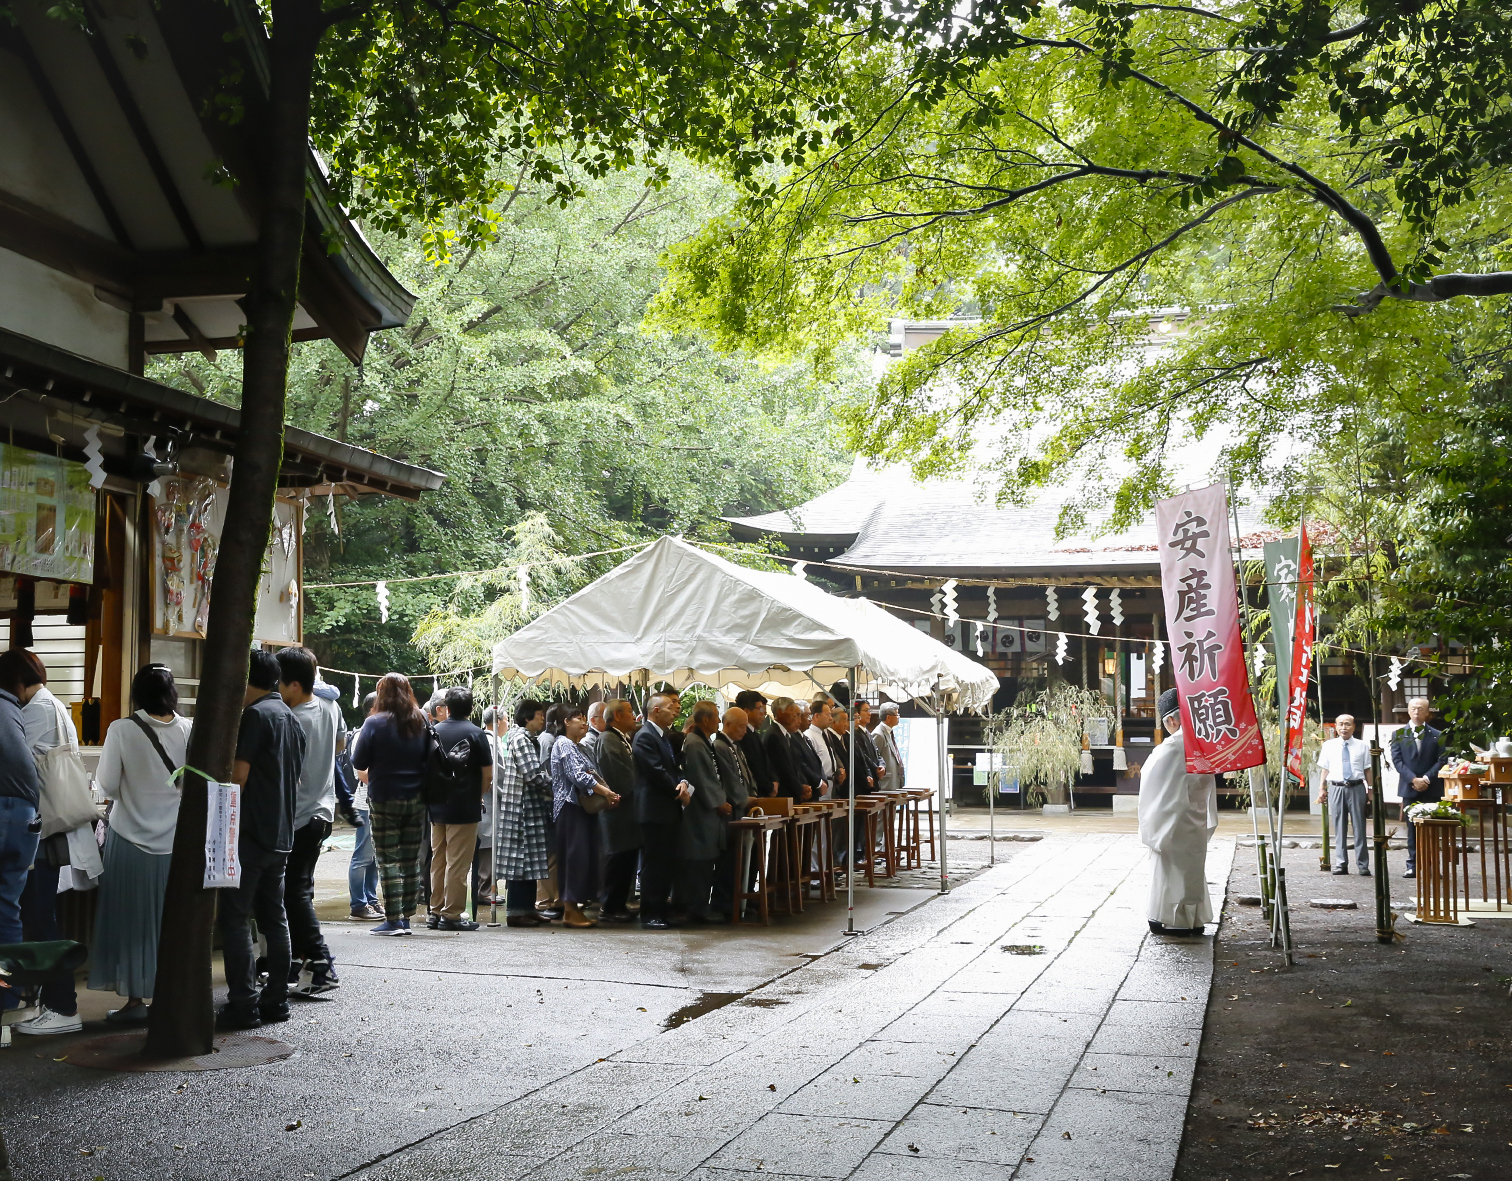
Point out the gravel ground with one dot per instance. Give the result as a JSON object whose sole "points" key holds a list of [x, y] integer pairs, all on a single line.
{"points": [[1362, 1060]]}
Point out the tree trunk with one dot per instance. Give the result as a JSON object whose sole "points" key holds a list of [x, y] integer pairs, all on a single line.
{"points": [[183, 1017]]}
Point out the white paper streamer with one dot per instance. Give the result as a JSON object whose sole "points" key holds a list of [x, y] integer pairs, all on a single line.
{"points": [[1259, 659], [1115, 607], [522, 580], [936, 602], [1157, 658], [948, 595], [331, 513], [383, 602], [800, 570], [1061, 642], [356, 691], [1052, 604], [1394, 677], [94, 458], [1089, 597], [991, 603], [154, 489], [980, 629]]}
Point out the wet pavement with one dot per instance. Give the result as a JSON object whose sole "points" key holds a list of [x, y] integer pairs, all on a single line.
{"points": [[1025, 1025]]}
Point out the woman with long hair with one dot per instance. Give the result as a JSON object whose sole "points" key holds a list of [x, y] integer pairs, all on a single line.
{"points": [[391, 747], [574, 779], [142, 753]]}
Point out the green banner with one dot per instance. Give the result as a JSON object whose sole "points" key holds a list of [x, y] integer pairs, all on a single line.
{"points": [[1281, 593]]}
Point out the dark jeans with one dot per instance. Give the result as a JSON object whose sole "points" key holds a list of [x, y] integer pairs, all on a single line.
{"points": [[694, 879], [305, 941], [619, 877], [659, 864], [260, 895], [39, 914]]}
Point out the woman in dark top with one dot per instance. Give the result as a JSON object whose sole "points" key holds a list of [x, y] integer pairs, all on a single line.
{"points": [[391, 748]]}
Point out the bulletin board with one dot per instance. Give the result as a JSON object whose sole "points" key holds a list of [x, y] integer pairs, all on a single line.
{"points": [[188, 515], [47, 516]]}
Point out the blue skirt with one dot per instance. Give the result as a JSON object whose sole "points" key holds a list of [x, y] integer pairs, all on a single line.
{"points": [[129, 912]]}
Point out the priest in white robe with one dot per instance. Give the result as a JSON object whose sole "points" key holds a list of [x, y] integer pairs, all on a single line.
{"points": [[1178, 814]]}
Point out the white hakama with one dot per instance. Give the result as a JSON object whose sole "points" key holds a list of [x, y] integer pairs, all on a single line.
{"points": [[1178, 814]]}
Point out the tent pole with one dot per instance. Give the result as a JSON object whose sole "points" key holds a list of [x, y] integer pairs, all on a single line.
{"points": [[944, 785], [850, 819]]}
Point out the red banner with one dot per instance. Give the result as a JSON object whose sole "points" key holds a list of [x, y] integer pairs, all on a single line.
{"points": [[1202, 621], [1303, 634]]}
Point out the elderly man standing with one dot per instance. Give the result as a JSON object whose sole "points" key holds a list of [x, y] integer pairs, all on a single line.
{"points": [[619, 829], [887, 747], [1346, 790], [782, 755], [704, 818], [661, 794], [818, 735], [1418, 754], [1178, 814], [739, 786], [754, 706], [597, 723]]}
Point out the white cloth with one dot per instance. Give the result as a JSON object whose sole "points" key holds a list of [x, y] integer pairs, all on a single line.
{"points": [[315, 798], [40, 717], [1344, 759], [132, 774], [816, 739], [1178, 814], [85, 865]]}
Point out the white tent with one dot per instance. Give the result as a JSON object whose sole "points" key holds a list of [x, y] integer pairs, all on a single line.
{"points": [[676, 613]]}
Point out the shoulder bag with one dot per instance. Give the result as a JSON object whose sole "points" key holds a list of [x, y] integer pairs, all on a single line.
{"points": [[156, 745], [65, 799]]}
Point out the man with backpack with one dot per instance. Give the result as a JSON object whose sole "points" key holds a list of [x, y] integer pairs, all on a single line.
{"points": [[461, 776]]}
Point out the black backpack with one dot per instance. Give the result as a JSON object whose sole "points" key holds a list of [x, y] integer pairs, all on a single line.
{"points": [[445, 769]]}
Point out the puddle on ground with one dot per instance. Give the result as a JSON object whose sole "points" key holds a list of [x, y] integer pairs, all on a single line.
{"points": [[707, 1002], [1024, 948], [763, 1002]]}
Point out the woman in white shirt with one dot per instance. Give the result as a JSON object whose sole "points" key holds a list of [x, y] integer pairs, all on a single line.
{"points": [[136, 772]]}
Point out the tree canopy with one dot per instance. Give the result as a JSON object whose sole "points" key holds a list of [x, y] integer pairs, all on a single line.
{"points": [[1284, 185]]}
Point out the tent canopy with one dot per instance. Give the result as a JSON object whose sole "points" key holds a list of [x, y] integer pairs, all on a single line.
{"points": [[678, 614]]}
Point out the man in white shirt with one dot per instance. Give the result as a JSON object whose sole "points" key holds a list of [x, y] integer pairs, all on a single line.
{"points": [[310, 969], [819, 724], [1346, 789]]}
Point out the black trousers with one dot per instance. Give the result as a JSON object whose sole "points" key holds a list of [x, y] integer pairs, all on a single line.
{"points": [[39, 916], [260, 895], [619, 878], [658, 869], [694, 878], [305, 941]]}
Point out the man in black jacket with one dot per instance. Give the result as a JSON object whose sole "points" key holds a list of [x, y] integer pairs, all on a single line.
{"points": [[1417, 753], [753, 745], [782, 755], [660, 796], [868, 761], [619, 829]]}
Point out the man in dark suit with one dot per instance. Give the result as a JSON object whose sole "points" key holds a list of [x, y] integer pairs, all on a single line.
{"points": [[1417, 753], [782, 761], [753, 745], [619, 829], [660, 796]]}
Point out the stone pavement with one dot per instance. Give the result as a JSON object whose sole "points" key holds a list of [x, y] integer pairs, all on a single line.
{"points": [[1027, 1026], [1023, 1026]]}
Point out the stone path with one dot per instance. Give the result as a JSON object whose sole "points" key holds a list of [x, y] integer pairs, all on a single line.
{"points": [[1024, 1026]]}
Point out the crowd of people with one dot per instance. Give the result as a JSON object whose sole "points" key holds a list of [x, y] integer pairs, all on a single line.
{"points": [[596, 805]]}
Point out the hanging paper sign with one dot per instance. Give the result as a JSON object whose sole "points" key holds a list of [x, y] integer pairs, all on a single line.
{"points": [[1304, 633], [1202, 618], [222, 835], [1281, 591]]}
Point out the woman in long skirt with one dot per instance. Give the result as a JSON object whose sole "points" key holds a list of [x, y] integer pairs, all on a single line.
{"points": [[136, 770], [573, 779]]}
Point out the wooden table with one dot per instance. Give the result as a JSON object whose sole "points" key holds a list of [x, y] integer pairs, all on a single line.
{"points": [[1488, 805], [870, 809], [760, 829], [810, 837], [1437, 869]]}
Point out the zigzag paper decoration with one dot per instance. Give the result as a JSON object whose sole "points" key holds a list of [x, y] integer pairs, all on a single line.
{"points": [[1158, 658], [94, 458], [1052, 604], [1115, 607], [991, 603], [949, 594], [522, 580], [1089, 597], [383, 602], [1060, 648], [1394, 677]]}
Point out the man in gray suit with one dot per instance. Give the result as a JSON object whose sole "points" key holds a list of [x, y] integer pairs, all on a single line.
{"points": [[596, 727], [887, 749], [704, 818], [739, 786], [618, 828]]}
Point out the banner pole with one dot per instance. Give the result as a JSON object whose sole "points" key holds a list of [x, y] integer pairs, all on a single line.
{"points": [[850, 819], [944, 786]]}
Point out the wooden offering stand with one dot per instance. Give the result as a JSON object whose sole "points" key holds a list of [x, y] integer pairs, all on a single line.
{"points": [[1437, 871]]}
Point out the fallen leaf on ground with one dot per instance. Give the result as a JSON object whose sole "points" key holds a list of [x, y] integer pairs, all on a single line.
{"points": [[913, 1148], [295, 1126]]}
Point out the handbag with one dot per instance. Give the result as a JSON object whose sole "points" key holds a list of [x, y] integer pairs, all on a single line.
{"points": [[592, 803], [65, 799]]}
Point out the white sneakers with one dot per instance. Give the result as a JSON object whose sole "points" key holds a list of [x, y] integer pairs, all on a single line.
{"points": [[47, 1023]]}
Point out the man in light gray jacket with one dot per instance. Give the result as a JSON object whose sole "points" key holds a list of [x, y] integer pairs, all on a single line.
{"points": [[887, 747]]}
